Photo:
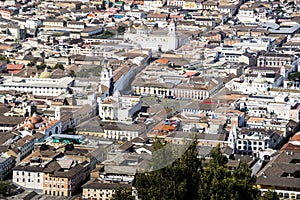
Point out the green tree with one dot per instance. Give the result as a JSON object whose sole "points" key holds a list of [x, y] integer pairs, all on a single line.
{"points": [[121, 29], [218, 159], [2, 57], [270, 195], [3, 187], [215, 178], [33, 62], [186, 178], [217, 182], [123, 193], [59, 66], [244, 183], [72, 74], [293, 76], [178, 180], [42, 66]]}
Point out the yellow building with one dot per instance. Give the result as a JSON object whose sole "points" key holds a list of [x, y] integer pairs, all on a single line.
{"points": [[189, 5], [64, 177], [95, 189], [90, 127]]}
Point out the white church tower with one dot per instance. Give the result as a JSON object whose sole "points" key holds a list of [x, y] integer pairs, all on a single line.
{"points": [[58, 113], [232, 139], [173, 38], [106, 75], [172, 28]]}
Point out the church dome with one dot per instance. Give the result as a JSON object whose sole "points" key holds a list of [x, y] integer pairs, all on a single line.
{"points": [[260, 79], [30, 126], [45, 74], [35, 119]]}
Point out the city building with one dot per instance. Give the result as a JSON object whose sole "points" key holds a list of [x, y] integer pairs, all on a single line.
{"points": [[44, 86], [281, 174]]}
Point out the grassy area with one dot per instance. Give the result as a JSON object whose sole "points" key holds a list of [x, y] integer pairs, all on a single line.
{"points": [[284, 90]]}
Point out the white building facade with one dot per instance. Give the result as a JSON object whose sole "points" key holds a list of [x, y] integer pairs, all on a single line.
{"points": [[37, 86]]}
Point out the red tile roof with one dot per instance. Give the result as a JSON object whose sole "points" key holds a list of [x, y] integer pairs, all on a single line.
{"points": [[163, 61], [14, 67], [188, 74]]}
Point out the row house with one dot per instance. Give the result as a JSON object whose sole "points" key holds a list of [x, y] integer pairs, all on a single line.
{"points": [[55, 23], [274, 59], [191, 88], [64, 177], [253, 141], [122, 131], [8, 14], [6, 165], [190, 5], [29, 176], [281, 175], [37, 86], [153, 4], [157, 17], [206, 22], [227, 8], [22, 148], [210, 5], [285, 126], [119, 108], [101, 191], [55, 171], [75, 24]]}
